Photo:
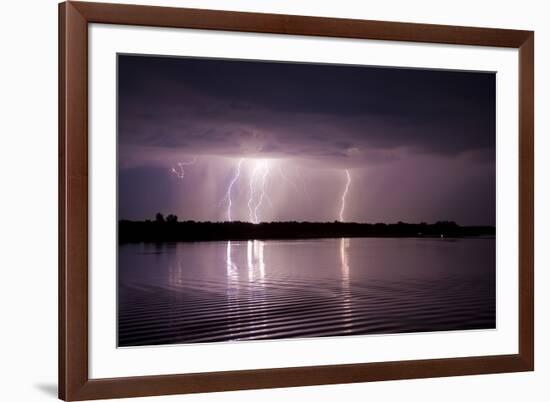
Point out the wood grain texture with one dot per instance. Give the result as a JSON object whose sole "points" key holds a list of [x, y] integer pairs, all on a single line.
{"points": [[298, 25], [74, 382], [526, 201], [73, 196]]}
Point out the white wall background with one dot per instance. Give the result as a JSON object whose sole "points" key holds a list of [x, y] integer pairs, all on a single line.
{"points": [[28, 198]]}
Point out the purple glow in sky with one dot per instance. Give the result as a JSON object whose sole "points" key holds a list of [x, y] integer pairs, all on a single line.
{"points": [[220, 140]]}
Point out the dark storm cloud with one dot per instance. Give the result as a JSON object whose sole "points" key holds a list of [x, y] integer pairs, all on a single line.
{"points": [[307, 110]]}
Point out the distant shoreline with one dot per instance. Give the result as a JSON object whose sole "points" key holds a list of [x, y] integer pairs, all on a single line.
{"points": [[191, 231]]}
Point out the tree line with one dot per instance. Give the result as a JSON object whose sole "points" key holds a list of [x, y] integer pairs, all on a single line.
{"points": [[169, 229]]}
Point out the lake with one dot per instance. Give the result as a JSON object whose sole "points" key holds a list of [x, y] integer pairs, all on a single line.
{"points": [[254, 290]]}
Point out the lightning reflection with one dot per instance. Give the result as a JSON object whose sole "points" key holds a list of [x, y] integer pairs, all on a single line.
{"points": [[346, 294], [255, 259]]}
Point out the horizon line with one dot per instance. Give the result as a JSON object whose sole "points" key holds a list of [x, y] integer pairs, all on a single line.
{"points": [[306, 222]]}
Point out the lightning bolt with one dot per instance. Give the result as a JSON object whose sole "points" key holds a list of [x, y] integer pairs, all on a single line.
{"points": [[257, 192], [344, 194], [262, 194], [228, 193], [180, 171], [251, 196]]}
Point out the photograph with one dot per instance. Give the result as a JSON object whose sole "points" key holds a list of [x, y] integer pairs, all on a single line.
{"points": [[270, 200]]}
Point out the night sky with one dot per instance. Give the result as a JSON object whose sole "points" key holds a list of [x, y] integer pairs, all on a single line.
{"points": [[288, 140]]}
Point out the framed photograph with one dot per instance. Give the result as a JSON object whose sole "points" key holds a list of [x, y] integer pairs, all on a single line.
{"points": [[257, 200]]}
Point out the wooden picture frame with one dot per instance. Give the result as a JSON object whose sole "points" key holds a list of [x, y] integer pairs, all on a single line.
{"points": [[74, 381]]}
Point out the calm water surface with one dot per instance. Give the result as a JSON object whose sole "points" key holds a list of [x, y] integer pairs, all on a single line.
{"points": [[244, 290]]}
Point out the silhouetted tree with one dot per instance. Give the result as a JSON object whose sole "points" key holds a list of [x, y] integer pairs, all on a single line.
{"points": [[159, 218], [172, 218]]}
